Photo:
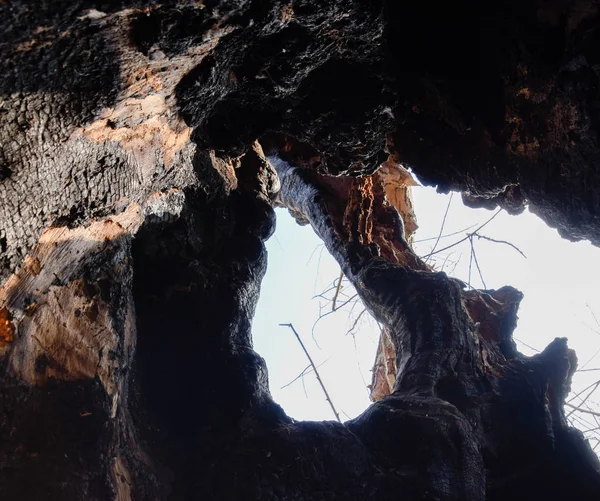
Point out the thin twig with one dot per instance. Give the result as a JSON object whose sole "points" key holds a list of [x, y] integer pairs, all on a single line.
{"points": [[322, 294], [583, 401], [318, 266], [349, 331], [585, 411], [337, 416], [582, 421], [307, 370], [444, 236], [346, 414], [470, 261], [592, 358], [455, 264], [445, 261], [303, 373], [594, 317], [279, 243], [443, 224], [304, 388], [593, 314], [584, 390], [477, 265], [347, 301], [358, 301], [469, 235], [501, 242], [313, 253], [528, 346], [323, 315], [337, 290]]}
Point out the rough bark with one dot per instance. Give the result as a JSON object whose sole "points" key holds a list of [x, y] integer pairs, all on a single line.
{"points": [[456, 361], [135, 199]]}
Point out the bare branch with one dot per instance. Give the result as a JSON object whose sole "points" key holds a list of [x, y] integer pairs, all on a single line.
{"points": [[528, 346], [477, 265], [443, 224], [586, 397], [469, 235], [315, 369], [445, 261], [585, 411], [593, 314], [322, 245], [500, 242], [584, 390], [595, 319], [322, 294], [470, 261], [349, 331], [591, 358], [307, 370], [455, 264], [303, 373], [323, 315], [445, 236], [346, 414], [337, 291]]}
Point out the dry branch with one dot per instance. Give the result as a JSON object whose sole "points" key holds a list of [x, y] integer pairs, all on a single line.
{"points": [[327, 397]]}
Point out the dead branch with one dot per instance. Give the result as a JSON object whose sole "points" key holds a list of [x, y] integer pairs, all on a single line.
{"points": [[322, 294], [591, 358], [470, 261], [586, 397], [595, 383], [337, 291], [349, 331], [307, 370], [585, 411], [477, 264], [444, 236], [480, 227], [327, 397], [443, 224], [323, 315], [527, 345], [500, 242]]}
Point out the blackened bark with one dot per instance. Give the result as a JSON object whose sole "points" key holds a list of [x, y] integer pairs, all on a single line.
{"points": [[135, 200], [497, 407]]}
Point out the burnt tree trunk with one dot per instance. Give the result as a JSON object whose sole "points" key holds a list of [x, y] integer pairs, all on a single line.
{"points": [[142, 150]]}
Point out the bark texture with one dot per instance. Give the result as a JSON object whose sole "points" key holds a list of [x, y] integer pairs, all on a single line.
{"points": [[142, 150]]}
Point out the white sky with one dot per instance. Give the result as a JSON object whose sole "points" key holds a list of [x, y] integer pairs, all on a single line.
{"points": [[559, 279]]}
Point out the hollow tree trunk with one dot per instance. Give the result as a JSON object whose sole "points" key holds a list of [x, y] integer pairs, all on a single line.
{"points": [[136, 197]]}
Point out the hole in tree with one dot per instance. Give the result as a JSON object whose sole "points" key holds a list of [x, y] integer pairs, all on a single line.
{"points": [[299, 270], [561, 302]]}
